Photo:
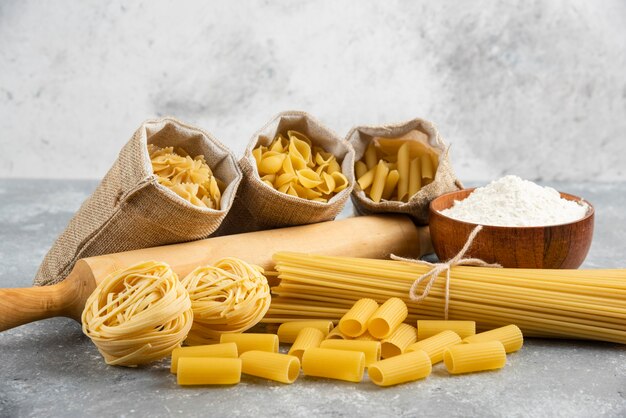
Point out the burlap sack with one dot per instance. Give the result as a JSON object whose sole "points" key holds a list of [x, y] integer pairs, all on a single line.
{"points": [[259, 206], [130, 210], [417, 207]]}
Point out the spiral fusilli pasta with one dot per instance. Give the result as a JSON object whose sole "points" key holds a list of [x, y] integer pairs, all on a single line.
{"points": [[190, 178]]}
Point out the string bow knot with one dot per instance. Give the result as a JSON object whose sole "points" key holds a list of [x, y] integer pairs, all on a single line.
{"points": [[438, 268]]}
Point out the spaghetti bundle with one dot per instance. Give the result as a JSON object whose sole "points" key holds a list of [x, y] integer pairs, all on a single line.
{"points": [[138, 315], [190, 178], [584, 304], [228, 297]]}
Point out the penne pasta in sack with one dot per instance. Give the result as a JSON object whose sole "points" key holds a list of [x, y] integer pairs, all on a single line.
{"points": [[400, 168], [171, 183], [295, 172]]}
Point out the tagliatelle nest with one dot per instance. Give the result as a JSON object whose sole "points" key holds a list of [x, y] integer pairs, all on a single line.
{"points": [[228, 297], [138, 315]]}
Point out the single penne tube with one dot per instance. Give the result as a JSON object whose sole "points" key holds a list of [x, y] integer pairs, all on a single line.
{"points": [[228, 350], [398, 341], [378, 184], [249, 341], [360, 168], [434, 346], [336, 334], [403, 171], [474, 357], [273, 366], [288, 331], [307, 338], [426, 164], [387, 318], [390, 184], [370, 156], [400, 369], [334, 364], [354, 322], [428, 328], [415, 177], [366, 180], [510, 336], [208, 371], [371, 349]]}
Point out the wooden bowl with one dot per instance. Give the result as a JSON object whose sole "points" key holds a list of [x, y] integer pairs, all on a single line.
{"points": [[562, 246]]}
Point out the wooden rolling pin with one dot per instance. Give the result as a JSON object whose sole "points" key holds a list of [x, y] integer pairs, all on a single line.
{"points": [[364, 236]]}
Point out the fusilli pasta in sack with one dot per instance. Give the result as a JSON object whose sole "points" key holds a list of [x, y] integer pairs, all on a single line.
{"points": [[171, 183], [295, 172]]}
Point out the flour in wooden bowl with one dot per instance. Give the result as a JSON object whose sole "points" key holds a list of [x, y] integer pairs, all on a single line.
{"points": [[511, 201]]}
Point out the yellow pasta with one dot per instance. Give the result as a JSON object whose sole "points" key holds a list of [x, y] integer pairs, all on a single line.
{"points": [[371, 349], [428, 328], [307, 338], [370, 156], [354, 322], [228, 297], [435, 346], [411, 163], [208, 371], [387, 318], [510, 336], [138, 314], [366, 336], [288, 331], [390, 183], [366, 180], [334, 364], [250, 341], [398, 341], [475, 357], [213, 350], [190, 178], [378, 185], [583, 304], [273, 366], [403, 170], [296, 167], [336, 334], [427, 172], [415, 177], [360, 169], [400, 369]]}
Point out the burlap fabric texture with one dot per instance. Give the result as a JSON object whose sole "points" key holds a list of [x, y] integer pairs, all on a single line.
{"points": [[417, 207], [259, 206], [130, 210]]}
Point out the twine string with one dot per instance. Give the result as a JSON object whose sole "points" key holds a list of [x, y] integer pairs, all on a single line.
{"points": [[438, 268]]}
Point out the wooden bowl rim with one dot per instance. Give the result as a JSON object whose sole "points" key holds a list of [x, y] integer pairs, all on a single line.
{"points": [[568, 196]]}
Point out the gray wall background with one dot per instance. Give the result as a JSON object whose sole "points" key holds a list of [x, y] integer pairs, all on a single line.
{"points": [[534, 88]]}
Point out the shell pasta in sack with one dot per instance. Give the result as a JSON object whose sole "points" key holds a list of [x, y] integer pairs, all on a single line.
{"points": [[171, 183], [295, 172]]}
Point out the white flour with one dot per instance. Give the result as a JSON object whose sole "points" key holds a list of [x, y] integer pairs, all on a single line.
{"points": [[511, 201]]}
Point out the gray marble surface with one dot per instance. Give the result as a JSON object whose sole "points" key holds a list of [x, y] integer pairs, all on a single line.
{"points": [[50, 369], [510, 84]]}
